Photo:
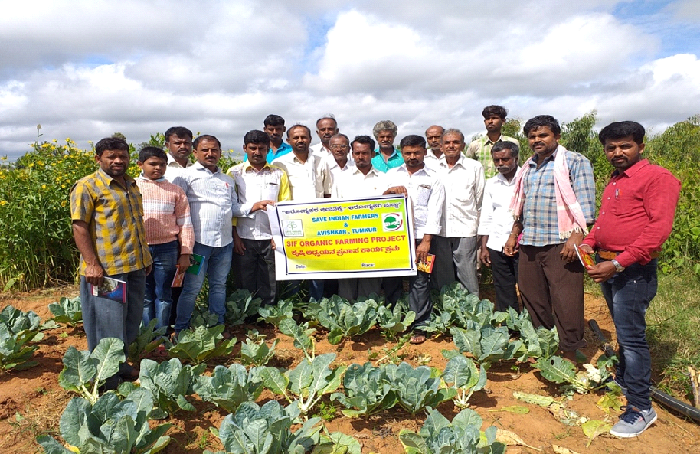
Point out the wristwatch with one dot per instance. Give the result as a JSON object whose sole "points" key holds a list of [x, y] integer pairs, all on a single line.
{"points": [[617, 265]]}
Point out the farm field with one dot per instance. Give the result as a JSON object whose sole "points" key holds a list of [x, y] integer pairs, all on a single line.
{"points": [[31, 401]]}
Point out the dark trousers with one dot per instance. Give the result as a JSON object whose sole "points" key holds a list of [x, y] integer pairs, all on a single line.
{"points": [[552, 292], [504, 270], [257, 269], [419, 298], [628, 295]]}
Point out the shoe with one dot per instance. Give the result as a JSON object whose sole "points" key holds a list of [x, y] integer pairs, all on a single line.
{"points": [[633, 422]]}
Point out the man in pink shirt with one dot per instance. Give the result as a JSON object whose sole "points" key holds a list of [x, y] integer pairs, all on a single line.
{"points": [[169, 233]]}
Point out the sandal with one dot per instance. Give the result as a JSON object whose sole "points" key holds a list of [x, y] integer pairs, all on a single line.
{"points": [[418, 338]]}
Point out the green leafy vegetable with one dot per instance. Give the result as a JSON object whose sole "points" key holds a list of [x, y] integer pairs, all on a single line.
{"points": [[394, 321], [202, 344], [309, 381], [147, 340], [257, 353], [67, 311], [462, 435], [367, 391], [267, 429], [301, 335], [169, 383], [229, 387], [274, 314], [240, 305], [17, 330], [84, 372], [462, 374], [109, 426], [344, 320], [416, 388]]}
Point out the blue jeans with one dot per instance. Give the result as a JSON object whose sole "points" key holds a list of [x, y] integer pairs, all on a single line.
{"points": [[159, 291], [215, 265], [628, 295]]}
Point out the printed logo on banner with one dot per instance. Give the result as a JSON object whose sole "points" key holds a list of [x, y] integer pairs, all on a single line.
{"points": [[293, 228], [392, 222]]}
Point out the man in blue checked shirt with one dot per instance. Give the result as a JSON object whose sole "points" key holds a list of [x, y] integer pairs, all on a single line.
{"points": [[554, 202]]}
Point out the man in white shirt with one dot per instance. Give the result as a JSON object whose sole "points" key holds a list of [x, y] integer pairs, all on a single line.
{"points": [[360, 181], [178, 141], [456, 247], [338, 163], [433, 136], [423, 185], [256, 179], [213, 203], [496, 223], [309, 179], [326, 128]]}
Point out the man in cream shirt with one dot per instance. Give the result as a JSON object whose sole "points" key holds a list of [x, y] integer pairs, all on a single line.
{"points": [[455, 248], [360, 181]]}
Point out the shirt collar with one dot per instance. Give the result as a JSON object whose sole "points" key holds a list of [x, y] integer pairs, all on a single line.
{"points": [[378, 152], [200, 167], [630, 171], [500, 177], [108, 178], [443, 161], [403, 168], [355, 171], [549, 158], [248, 166]]}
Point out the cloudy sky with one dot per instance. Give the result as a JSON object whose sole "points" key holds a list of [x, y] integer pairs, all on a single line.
{"points": [[85, 69]]}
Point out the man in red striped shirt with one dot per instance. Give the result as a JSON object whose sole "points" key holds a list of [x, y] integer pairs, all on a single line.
{"points": [[635, 219]]}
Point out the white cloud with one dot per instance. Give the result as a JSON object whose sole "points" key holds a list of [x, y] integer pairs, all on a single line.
{"points": [[86, 69]]}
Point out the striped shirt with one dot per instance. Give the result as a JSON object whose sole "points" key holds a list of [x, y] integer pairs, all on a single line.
{"points": [[540, 223], [270, 183], [114, 216], [213, 204], [166, 213], [480, 150]]}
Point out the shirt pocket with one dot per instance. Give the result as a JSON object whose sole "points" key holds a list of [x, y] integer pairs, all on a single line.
{"points": [[423, 195], [271, 191]]}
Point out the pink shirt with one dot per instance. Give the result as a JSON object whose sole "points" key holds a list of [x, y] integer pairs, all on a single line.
{"points": [[166, 214]]}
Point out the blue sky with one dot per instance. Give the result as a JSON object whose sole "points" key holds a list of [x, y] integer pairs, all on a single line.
{"points": [[85, 69]]}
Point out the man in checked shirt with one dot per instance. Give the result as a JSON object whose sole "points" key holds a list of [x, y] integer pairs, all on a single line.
{"points": [[554, 202], [256, 179]]}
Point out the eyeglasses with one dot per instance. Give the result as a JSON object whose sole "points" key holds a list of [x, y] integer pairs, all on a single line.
{"points": [[340, 147]]}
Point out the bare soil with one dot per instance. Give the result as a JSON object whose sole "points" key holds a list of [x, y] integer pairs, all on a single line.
{"points": [[31, 401]]}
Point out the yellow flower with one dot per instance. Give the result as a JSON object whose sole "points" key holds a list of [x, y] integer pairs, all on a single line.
{"points": [[63, 203], [3, 202], [43, 187]]}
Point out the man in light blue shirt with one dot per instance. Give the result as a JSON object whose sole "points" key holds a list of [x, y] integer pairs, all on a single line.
{"points": [[386, 156], [213, 204]]}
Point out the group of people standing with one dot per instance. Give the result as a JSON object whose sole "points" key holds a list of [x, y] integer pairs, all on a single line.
{"points": [[471, 203]]}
